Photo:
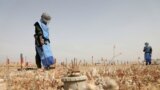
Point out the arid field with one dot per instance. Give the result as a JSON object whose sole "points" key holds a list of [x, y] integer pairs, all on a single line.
{"points": [[99, 77]]}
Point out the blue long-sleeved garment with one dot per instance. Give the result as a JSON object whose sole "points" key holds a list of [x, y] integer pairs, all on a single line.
{"points": [[147, 54], [45, 52]]}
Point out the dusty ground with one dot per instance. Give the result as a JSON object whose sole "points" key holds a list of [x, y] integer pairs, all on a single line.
{"points": [[100, 77], [3, 86]]}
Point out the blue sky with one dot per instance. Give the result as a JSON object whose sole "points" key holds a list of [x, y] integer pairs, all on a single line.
{"points": [[81, 28]]}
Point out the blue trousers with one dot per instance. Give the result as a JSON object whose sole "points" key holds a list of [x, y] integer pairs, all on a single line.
{"points": [[147, 57]]}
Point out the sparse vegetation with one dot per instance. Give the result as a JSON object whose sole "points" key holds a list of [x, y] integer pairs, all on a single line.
{"points": [[100, 77]]}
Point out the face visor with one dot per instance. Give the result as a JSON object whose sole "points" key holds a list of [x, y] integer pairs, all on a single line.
{"points": [[146, 44], [45, 18]]}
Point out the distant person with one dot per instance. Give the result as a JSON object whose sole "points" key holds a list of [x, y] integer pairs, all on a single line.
{"points": [[42, 43], [147, 53]]}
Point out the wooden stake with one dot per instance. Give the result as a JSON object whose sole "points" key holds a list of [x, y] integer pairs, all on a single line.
{"points": [[92, 60], [21, 60], [7, 74]]}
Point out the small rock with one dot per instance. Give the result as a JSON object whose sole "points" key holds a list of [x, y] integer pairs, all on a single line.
{"points": [[1, 80], [90, 87]]}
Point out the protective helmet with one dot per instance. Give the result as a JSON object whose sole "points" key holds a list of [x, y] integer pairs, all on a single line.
{"points": [[45, 17], [146, 43]]}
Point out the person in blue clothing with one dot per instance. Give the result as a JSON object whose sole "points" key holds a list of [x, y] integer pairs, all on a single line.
{"points": [[147, 53], [44, 54]]}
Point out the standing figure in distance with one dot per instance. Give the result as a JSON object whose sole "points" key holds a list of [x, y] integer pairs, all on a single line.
{"points": [[42, 43], [147, 53]]}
